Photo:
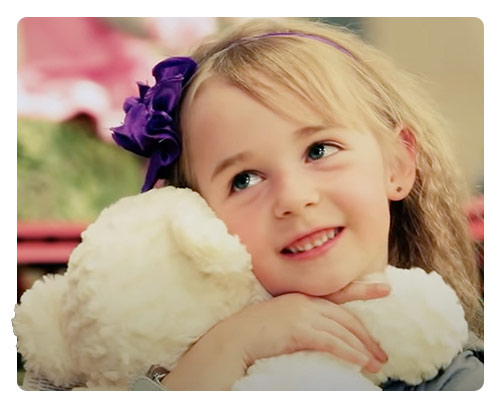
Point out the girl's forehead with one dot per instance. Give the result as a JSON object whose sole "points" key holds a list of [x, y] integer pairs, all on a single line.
{"points": [[221, 106], [217, 90], [211, 86], [296, 100]]}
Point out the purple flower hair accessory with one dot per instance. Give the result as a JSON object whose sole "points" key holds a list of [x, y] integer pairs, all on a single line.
{"points": [[151, 122]]}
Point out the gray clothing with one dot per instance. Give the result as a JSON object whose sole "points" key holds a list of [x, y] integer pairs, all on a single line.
{"points": [[466, 372]]}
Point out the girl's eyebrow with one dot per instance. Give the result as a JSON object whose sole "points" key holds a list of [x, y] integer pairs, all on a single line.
{"points": [[309, 130], [227, 162]]}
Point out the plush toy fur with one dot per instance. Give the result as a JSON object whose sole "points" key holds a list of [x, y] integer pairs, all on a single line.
{"points": [[156, 271]]}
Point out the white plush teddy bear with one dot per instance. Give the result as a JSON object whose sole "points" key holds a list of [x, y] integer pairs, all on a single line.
{"points": [[157, 270]]}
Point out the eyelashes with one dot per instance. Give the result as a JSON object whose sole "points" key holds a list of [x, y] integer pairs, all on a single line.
{"points": [[245, 180], [322, 150], [317, 151]]}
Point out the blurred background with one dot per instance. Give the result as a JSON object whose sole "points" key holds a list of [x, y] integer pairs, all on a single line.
{"points": [[74, 73]]}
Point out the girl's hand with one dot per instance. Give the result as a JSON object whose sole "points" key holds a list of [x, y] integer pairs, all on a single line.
{"points": [[294, 322], [283, 324], [363, 291]]}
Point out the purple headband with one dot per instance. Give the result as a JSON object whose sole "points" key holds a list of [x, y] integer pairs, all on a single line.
{"points": [[151, 126], [307, 35]]}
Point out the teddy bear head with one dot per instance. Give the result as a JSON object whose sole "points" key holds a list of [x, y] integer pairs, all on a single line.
{"points": [[152, 274]]}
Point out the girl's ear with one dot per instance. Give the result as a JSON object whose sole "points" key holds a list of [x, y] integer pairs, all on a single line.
{"points": [[403, 170]]}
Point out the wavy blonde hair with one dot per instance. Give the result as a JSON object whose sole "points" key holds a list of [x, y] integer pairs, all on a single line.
{"points": [[309, 81]]}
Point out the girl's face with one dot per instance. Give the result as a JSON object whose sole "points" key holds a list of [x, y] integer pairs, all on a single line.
{"points": [[310, 203]]}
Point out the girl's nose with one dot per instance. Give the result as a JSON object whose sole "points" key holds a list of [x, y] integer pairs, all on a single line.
{"points": [[293, 196]]}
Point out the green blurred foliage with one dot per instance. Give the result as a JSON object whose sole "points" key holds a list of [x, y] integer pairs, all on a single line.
{"points": [[65, 172]]}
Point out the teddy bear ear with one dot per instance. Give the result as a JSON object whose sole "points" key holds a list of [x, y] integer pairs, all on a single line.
{"points": [[204, 239]]}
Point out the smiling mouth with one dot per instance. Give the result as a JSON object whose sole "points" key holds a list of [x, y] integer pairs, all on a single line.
{"points": [[312, 242]]}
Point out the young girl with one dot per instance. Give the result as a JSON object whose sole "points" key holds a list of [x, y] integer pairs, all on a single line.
{"points": [[329, 164]]}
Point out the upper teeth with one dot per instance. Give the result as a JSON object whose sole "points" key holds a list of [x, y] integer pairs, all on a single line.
{"points": [[316, 243]]}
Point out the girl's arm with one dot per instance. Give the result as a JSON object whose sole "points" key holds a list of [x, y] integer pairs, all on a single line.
{"points": [[283, 324]]}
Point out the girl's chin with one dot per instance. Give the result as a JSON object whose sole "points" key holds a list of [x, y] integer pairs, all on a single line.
{"points": [[324, 290], [313, 291]]}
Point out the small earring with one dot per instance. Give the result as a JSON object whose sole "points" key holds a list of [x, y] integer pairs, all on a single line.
{"points": [[399, 189]]}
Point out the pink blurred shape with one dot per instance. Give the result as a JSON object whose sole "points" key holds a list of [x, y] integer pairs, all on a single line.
{"points": [[179, 35], [474, 210], [86, 65]]}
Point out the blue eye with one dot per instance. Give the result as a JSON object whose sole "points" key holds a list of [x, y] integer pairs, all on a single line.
{"points": [[244, 180], [321, 150]]}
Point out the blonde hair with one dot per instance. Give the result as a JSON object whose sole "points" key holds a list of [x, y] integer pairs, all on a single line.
{"points": [[366, 91]]}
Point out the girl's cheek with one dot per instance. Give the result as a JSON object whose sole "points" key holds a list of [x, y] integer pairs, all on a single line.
{"points": [[237, 221], [246, 223]]}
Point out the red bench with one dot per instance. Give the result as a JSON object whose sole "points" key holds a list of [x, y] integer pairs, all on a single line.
{"points": [[47, 242]]}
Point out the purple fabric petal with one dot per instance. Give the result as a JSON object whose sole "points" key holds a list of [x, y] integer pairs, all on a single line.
{"points": [[143, 89], [124, 141], [160, 159], [166, 95], [152, 173], [158, 121], [174, 66], [136, 121], [170, 149], [129, 103]]}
